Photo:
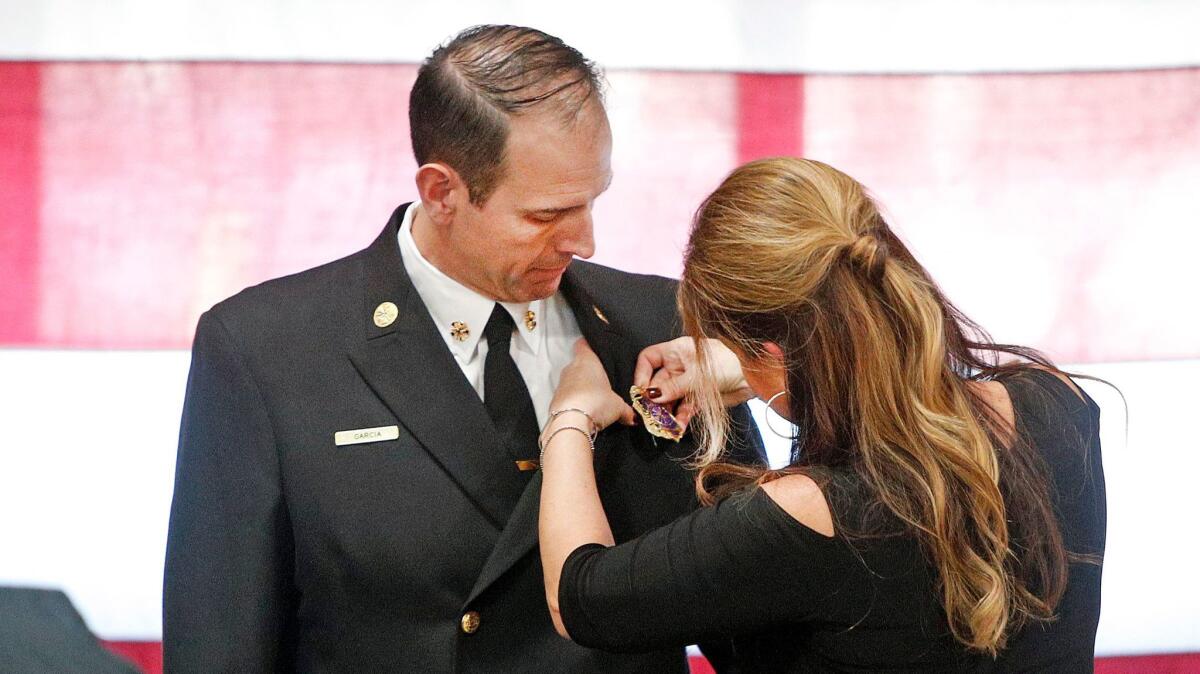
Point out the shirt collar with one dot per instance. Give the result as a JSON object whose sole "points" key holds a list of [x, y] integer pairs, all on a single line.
{"points": [[451, 302]]}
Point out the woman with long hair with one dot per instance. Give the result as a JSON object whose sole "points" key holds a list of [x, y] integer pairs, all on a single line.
{"points": [[944, 503]]}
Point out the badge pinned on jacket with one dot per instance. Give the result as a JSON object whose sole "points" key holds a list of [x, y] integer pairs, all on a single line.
{"points": [[385, 314]]}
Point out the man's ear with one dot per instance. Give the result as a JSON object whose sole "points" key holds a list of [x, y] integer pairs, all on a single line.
{"points": [[442, 191]]}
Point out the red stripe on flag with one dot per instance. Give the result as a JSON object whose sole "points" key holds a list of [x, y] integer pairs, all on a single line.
{"points": [[161, 188], [169, 186], [1049, 207], [1167, 663], [147, 655], [770, 116], [20, 171]]}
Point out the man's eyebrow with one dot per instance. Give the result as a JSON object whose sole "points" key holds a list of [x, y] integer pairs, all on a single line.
{"points": [[551, 210]]}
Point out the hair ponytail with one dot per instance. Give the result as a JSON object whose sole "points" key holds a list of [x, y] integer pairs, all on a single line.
{"points": [[794, 252]]}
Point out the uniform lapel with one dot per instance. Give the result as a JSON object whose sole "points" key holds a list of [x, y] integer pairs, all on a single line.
{"points": [[618, 357], [408, 366]]}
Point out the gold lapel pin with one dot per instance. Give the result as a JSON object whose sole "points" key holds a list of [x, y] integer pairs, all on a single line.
{"points": [[600, 314], [530, 320], [459, 331], [385, 314]]}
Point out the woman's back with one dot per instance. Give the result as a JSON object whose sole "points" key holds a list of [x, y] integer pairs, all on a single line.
{"points": [[1065, 429], [887, 613], [791, 598]]}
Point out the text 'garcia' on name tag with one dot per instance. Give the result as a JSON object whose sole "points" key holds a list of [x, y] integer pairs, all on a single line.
{"points": [[360, 435]]}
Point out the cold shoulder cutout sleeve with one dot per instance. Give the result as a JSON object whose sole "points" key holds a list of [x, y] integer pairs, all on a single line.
{"points": [[739, 566]]}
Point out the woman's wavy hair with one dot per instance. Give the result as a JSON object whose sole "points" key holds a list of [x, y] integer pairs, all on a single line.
{"points": [[795, 252]]}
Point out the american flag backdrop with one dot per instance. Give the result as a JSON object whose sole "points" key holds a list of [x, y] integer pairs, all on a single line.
{"points": [[156, 158]]}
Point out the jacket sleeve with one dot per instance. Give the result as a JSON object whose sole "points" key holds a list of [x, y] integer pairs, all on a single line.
{"points": [[227, 592]]}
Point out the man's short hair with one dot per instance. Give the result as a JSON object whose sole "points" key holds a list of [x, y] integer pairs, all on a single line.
{"points": [[468, 88]]}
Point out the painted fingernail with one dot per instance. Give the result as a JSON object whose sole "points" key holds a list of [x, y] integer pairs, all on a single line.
{"points": [[653, 392]]}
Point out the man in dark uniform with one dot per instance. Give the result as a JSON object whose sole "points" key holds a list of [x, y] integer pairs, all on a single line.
{"points": [[357, 482]]}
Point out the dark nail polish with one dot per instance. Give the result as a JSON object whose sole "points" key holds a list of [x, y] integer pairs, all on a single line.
{"points": [[653, 392]]}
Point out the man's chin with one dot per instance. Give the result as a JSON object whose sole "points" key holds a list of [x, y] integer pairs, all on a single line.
{"points": [[539, 286]]}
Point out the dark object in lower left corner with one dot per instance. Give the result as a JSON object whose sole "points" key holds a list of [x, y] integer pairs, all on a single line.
{"points": [[40, 631]]}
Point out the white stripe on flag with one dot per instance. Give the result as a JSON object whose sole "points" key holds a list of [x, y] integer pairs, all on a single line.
{"points": [[89, 463], [86, 473]]}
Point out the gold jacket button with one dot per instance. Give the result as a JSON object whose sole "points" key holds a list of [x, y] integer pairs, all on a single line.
{"points": [[470, 622]]}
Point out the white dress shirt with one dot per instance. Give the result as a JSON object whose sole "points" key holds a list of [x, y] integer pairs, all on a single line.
{"points": [[540, 353]]}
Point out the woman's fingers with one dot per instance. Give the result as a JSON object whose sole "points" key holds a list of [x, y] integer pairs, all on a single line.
{"points": [[650, 359], [677, 356], [663, 370], [670, 387]]}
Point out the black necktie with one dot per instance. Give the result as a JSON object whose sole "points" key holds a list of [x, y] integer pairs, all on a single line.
{"points": [[504, 393]]}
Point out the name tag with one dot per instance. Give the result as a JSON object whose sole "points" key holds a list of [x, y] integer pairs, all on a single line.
{"points": [[361, 435]]}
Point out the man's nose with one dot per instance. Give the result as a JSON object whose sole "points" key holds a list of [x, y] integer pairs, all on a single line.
{"points": [[577, 239]]}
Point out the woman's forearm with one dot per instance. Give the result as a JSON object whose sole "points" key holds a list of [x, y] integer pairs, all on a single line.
{"points": [[571, 514]]}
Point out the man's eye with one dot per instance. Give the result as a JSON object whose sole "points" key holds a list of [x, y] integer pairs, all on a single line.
{"points": [[544, 217]]}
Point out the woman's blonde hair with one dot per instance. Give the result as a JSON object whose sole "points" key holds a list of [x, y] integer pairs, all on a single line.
{"points": [[795, 252]]}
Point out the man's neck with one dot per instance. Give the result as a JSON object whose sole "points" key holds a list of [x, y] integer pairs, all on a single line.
{"points": [[431, 246]]}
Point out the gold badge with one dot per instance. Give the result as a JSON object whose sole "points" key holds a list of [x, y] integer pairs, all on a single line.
{"points": [[600, 314], [530, 320], [385, 314], [459, 331]]}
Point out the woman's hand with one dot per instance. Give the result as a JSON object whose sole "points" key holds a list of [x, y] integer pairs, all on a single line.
{"points": [[670, 367], [584, 385]]}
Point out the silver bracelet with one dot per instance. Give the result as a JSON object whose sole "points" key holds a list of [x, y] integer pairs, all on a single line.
{"points": [[554, 414], [544, 445]]}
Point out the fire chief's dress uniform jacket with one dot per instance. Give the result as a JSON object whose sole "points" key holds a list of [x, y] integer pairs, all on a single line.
{"points": [[287, 552]]}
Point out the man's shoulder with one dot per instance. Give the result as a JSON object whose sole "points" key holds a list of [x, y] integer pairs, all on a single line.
{"points": [[605, 274], [644, 303], [313, 290], [296, 302], [607, 282]]}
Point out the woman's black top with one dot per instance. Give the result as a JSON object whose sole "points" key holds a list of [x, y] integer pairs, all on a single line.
{"points": [[783, 597]]}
